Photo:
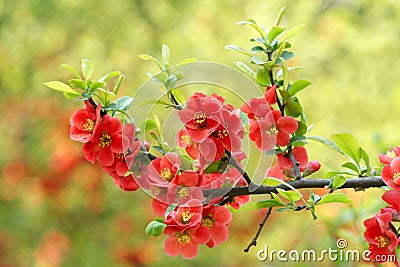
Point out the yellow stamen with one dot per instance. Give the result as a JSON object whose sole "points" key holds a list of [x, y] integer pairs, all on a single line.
{"points": [[220, 134], [89, 125], [200, 119], [184, 238], [273, 131], [391, 153], [186, 139], [105, 140], [186, 216], [382, 241], [166, 174], [183, 193], [207, 222]]}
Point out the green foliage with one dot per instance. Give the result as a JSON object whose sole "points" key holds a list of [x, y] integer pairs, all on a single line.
{"points": [[155, 227]]}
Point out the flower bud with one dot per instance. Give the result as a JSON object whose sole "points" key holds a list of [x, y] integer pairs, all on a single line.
{"points": [[311, 167]]}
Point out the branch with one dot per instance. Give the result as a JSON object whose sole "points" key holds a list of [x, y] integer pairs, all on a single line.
{"points": [[261, 225], [356, 183]]}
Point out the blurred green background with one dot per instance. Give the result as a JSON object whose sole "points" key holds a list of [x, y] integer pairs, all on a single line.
{"points": [[58, 210]]}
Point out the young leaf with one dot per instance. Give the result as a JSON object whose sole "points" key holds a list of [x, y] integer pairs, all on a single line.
{"points": [[150, 58], [109, 76], [351, 166], [326, 142], [71, 69], [302, 128], [123, 103], [118, 84], [60, 86], [285, 73], [267, 203], [170, 83], [155, 228], [298, 139], [73, 95], [153, 101], [280, 15], [271, 181], [238, 49], [293, 108], [292, 32], [349, 145], [262, 77], [148, 125], [245, 69], [87, 69], [297, 86], [334, 197], [337, 181], [292, 196], [165, 54], [274, 32], [78, 83]]}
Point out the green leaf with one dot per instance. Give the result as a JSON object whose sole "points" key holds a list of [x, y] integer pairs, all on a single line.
{"points": [[330, 175], [150, 58], [257, 49], [293, 108], [238, 49], [118, 84], [109, 76], [165, 54], [123, 103], [271, 181], [280, 15], [254, 25], [285, 73], [60, 86], [148, 125], [158, 123], [262, 77], [245, 69], [298, 139], [349, 145], [170, 83], [334, 197], [71, 69], [159, 149], [365, 158], [87, 69], [274, 32], [183, 63], [337, 181], [258, 40], [280, 51], [292, 196], [258, 61], [78, 83], [297, 86], [73, 95], [267, 204], [155, 228], [96, 85], [326, 142], [351, 166], [302, 128], [278, 199], [292, 32]]}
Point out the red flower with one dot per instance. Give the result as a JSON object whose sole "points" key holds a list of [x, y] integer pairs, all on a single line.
{"points": [[184, 141], [391, 174], [187, 215], [390, 155], [185, 241], [382, 240], [256, 108], [272, 129], [106, 142], [83, 123], [122, 161], [392, 197], [217, 219], [201, 116], [162, 171], [270, 94], [188, 178]]}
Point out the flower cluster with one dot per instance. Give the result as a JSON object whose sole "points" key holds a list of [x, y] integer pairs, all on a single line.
{"points": [[270, 129], [106, 141], [381, 234]]}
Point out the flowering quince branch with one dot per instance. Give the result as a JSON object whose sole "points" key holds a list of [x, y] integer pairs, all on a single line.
{"points": [[194, 193]]}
